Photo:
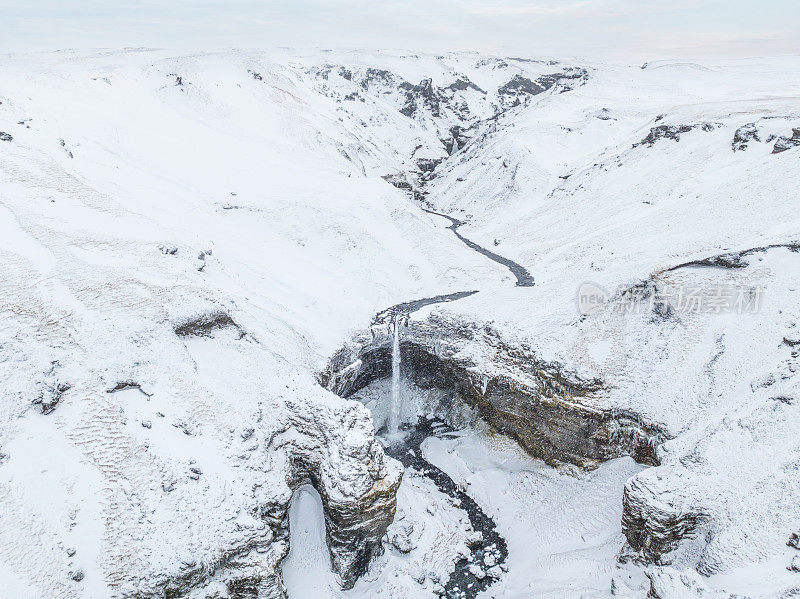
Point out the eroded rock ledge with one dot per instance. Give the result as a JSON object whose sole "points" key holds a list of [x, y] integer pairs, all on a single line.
{"points": [[330, 446], [542, 405], [656, 518]]}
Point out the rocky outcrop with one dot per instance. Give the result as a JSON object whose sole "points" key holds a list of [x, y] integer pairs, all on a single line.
{"points": [[454, 109], [427, 165], [519, 89], [333, 449], [673, 132], [787, 143], [744, 135], [656, 519], [423, 94], [543, 405], [354, 524], [398, 180], [205, 324]]}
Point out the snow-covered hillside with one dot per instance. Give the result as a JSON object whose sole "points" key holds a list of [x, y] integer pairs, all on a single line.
{"points": [[192, 244]]}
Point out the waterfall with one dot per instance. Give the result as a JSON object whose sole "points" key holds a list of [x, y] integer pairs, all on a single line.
{"points": [[394, 414]]}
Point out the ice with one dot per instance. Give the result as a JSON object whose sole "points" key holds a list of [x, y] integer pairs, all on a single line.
{"points": [[306, 569], [396, 408]]}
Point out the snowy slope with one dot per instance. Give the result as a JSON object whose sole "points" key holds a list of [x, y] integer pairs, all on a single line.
{"points": [[188, 239]]}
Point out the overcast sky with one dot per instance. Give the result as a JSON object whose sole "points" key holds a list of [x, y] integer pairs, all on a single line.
{"points": [[628, 29]]}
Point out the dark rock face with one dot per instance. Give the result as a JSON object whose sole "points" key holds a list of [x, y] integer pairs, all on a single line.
{"points": [[652, 525], [672, 132], [463, 84], [520, 88], [423, 94], [205, 324], [244, 584], [427, 165], [519, 85], [379, 77], [399, 181], [787, 143], [744, 135], [794, 540], [458, 139], [535, 402], [5, 136]]}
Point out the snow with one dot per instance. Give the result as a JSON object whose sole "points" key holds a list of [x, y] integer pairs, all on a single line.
{"points": [[562, 527], [304, 569], [276, 181]]}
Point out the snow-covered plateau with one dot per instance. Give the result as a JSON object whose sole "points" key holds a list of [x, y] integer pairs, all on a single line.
{"points": [[209, 263]]}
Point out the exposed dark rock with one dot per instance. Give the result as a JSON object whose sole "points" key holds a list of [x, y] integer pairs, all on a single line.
{"points": [[5, 136], [520, 88], [205, 325], [794, 565], [520, 85], [401, 540], [458, 139], [125, 385], [538, 403], [245, 588], [787, 143], [398, 180], [423, 93], [532, 60], [427, 165], [652, 525], [463, 84], [604, 114], [63, 144], [672, 132], [794, 540], [379, 77], [744, 135], [783, 399], [234, 560], [354, 529], [358, 494]]}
